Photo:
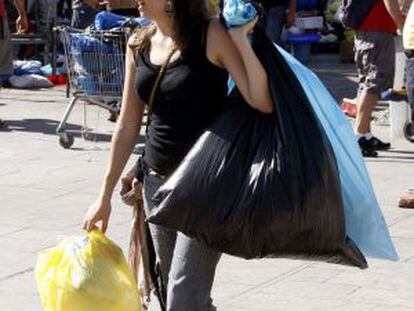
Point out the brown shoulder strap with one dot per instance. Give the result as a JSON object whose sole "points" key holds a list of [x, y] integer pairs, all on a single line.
{"points": [[155, 86]]}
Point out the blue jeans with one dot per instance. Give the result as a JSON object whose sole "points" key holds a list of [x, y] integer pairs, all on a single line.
{"points": [[187, 266], [274, 19], [409, 83], [83, 16]]}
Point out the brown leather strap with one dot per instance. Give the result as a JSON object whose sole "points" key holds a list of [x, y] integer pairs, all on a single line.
{"points": [[155, 86]]}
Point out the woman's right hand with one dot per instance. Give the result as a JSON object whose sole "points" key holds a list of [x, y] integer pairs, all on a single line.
{"points": [[98, 211]]}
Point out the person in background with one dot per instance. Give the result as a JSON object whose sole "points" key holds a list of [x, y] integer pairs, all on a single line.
{"points": [[375, 61], [84, 11], [407, 201], [278, 13], [122, 7], [6, 58], [408, 42]]}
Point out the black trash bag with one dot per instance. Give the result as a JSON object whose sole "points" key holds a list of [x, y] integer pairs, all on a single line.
{"points": [[257, 185]]}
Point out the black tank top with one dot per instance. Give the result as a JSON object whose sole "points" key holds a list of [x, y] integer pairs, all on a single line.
{"points": [[191, 94]]}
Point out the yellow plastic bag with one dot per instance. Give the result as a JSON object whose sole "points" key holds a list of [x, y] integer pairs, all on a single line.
{"points": [[86, 273]]}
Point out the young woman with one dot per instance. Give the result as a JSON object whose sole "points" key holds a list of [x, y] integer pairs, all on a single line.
{"points": [[191, 93]]}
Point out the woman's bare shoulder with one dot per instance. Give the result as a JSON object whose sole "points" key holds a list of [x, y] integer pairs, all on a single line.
{"points": [[138, 34], [216, 27]]}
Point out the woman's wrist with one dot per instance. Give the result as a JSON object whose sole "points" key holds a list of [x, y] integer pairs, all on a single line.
{"points": [[107, 189], [240, 34]]}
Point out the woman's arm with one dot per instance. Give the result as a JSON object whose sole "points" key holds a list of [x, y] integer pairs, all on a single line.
{"points": [[231, 50], [127, 128], [21, 22], [122, 145]]}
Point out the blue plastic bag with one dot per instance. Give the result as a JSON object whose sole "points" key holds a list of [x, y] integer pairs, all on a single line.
{"points": [[364, 221], [88, 84], [27, 67], [237, 13], [84, 43], [107, 20]]}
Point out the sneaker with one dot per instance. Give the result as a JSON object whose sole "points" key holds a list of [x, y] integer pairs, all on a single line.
{"points": [[366, 147], [378, 144]]}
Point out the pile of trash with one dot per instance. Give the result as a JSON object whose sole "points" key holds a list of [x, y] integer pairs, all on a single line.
{"points": [[31, 74]]}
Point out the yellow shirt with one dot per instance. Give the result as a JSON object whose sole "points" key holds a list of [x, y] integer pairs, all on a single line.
{"points": [[408, 32]]}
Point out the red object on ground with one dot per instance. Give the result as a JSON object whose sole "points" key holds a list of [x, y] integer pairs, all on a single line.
{"points": [[349, 108], [58, 79], [379, 19]]}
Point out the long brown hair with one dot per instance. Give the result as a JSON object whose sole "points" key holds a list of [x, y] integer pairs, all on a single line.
{"points": [[185, 13]]}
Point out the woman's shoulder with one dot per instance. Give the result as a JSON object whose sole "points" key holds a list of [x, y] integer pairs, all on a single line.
{"points": [[216, 26], [139, 34], [217, 33]]}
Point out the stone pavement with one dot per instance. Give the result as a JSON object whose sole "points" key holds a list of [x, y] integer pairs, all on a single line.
{"points": [[45, 190]]}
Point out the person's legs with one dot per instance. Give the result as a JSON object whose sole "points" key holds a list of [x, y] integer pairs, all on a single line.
{"points": [[191, 276], [366, 104], [409, 83], [407, 201], [187, 267], [163, 239], [6, 53], [274, 20], [375, 60]]}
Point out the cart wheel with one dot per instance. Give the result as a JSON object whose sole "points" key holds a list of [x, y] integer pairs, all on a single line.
{"points": [[66, 140], [87, 134], [409, 131]]}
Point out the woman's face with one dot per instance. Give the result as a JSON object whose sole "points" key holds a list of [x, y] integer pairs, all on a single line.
{"points": [[151, 9]]}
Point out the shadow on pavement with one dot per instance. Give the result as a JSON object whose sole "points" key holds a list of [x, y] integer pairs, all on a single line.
{"points": [[48, 127], [393, 159], [339, 78], [400, 151]]}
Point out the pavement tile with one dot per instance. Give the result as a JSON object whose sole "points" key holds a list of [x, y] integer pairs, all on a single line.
{"points": [[377, 276], [393, 308], [404, 228], [399, 296]]}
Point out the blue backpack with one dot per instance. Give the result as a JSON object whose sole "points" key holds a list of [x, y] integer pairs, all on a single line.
{"points": [[355, 11]]}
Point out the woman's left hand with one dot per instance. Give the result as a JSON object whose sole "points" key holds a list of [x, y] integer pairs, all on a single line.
{"points": [[244, 29]]}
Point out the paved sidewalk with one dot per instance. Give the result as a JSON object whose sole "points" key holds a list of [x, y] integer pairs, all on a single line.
{"points": [[45, 190]]}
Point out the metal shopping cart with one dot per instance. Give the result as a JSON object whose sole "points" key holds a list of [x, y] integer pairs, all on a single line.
{"points": [[95, 63]]}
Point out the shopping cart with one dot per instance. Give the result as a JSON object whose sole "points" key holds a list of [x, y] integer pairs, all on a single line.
{"points": [[95, 63]]}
